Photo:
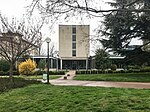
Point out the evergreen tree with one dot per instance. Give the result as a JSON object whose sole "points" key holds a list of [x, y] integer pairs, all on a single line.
{"points": [[101, 59]]}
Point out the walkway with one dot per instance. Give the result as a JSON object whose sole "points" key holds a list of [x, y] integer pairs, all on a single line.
{"points": [[69, 82]]}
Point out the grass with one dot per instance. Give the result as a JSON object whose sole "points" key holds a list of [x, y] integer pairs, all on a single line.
{"points": [[124, 77], [48, 98]]}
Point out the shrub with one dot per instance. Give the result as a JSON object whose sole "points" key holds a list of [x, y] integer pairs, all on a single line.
{"points": [[129, 71], [50, 72], [77, 72], [110, 71], [133, 67], [4, 65], [7, 73], [113, 67], [57, 72], [39, 72], [27, 67], [99, 72], [145, 69], [6, 85], [94, 72]]}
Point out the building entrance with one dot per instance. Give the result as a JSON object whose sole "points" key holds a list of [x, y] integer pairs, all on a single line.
{"points": [[73, 64]]}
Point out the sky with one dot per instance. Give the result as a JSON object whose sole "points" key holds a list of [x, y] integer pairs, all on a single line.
{"points": [[17, 8]]}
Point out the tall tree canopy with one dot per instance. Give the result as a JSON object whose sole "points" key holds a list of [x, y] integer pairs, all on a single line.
{"points": [[120, 27]]}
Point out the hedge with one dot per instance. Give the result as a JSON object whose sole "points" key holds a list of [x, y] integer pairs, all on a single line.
{"points": [[111, 71], [6, 85], [2, 73], [51, 72]]}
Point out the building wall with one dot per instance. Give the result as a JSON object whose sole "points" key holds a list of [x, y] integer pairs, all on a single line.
{"points": [[82, 41], [65, 39]]}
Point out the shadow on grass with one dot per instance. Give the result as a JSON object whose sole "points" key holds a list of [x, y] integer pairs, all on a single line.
{"points": [[6, 85]]}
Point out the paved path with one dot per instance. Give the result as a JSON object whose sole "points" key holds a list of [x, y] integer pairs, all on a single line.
{"points": [[100, 84], [69, 82]]}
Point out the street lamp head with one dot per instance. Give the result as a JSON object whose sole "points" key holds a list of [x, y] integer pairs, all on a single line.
{"points": [[48, 40]]}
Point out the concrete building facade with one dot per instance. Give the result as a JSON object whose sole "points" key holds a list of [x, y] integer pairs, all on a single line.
{"points": [[74, 46]]}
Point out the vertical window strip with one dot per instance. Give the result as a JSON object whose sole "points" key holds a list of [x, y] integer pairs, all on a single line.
{"points": [[73, 40]]}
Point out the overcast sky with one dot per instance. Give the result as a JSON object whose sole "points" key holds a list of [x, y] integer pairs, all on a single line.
{"points": [[16, 8]]}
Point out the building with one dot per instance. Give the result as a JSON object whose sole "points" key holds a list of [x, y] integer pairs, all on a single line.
{"points": [[53, 61], [12, 44], [74, 46]]}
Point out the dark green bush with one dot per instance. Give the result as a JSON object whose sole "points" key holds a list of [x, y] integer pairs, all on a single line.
{"points": [[57, 72], [83, 72], [4, 65], [2, 73], [94, 72], [39, 72], [129, 71], [6, 85], [122, 71], [78, 72], [50, 72], [110, 71], [133, 67], [100, 72], [113, 67], [145, 69]]}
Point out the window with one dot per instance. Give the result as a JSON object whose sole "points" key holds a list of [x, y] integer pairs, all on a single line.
{"points": [[73, 29], [73, 37], [73, 45], [73, 52], [73, 40]]}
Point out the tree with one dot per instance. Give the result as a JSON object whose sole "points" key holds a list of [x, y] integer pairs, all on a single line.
{"points": [[121, 27], [101, 59], [18, 38], [27, 67], [42, 64], [91, 7]]}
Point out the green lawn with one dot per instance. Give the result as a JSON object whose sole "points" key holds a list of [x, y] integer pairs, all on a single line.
{"points": [[129, 77], [47, 98]]}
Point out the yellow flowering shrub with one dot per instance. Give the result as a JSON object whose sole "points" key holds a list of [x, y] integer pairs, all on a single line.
{"points": [[27, 67]]}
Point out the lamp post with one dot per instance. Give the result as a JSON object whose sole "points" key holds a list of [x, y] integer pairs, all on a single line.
{"points": [[48, 40], [57, 62]]}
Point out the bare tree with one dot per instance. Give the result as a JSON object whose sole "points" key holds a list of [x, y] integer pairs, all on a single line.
{"points": [[52, 50], [66, 9], [91, 7], [18, 38]]}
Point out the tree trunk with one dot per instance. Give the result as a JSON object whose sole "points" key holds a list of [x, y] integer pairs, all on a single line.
{"points": [[11, 73]]}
